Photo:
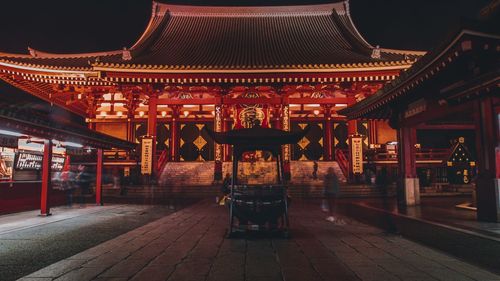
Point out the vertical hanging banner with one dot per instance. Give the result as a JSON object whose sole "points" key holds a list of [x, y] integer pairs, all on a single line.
{"points": [[356, 142], [146, 155]]}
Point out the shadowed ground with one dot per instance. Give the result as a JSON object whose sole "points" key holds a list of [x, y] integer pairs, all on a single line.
{"points": [[29, 242], [190, 245]]}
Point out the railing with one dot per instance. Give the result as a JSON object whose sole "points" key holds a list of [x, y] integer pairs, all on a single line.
{"points": [[118, 154], [162, 160], [420, 154], [342, 161], [433, 154]]}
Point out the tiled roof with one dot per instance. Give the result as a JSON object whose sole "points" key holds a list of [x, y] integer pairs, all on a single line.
{"points": [[38, 121], [201, 37], [378, 105]]}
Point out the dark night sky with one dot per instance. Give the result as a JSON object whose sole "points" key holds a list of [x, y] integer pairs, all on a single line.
{"points": [[96, 25]]}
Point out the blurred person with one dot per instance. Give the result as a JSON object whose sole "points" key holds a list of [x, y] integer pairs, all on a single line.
{"points": [[83, 179], [315, 170], [331, 192], [68, 184]]}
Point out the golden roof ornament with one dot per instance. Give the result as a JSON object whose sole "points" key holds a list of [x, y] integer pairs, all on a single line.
{"points": [[376, 52], [126, 55]]}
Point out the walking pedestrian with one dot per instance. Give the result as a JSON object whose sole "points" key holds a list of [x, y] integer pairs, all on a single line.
{"points": [[315, 170], [331, 191]]}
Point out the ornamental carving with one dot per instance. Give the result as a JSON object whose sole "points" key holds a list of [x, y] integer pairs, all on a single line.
{"points": [[251, 115], [185, 96]]}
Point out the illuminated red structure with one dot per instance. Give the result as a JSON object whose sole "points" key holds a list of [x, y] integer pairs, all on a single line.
{"points": [[290, 67], [454, 86]]}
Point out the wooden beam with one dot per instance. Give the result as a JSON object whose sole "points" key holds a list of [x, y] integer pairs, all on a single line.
{"points": [[446, 127], [322, 100], [98, 178], [194, 101]]}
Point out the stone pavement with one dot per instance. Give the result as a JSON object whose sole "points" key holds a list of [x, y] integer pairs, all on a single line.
{"points": [[29, 242], [190, 245]]}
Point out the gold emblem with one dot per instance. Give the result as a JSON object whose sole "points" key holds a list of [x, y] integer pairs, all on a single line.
{"points": [[249, 115]]}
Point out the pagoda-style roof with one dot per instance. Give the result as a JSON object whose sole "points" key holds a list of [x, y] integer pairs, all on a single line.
{"points": [[187, 38], [31, 121], [446, 68], [256, 138]]}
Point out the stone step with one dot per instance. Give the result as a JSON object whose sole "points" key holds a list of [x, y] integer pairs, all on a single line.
{"points": [[211, 190]]}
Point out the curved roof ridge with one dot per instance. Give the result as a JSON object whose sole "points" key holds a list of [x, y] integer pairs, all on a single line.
{"points": [[403, 52], [41, 54], [353, 26], [12, 55], [241, 10]]}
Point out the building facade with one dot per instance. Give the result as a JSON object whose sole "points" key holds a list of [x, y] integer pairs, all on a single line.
{"points": [[289, 67]]}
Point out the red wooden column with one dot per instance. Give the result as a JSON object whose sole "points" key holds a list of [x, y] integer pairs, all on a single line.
{"points": [[91, 112], [219, 154], [328, 137], [174, 128], [487, 147], [226, 126], [152, 121], [277, 117], [372, 127], [46, 184], [285, 126], [408, 189], [130, 127], [98, 177], [352, 127]]}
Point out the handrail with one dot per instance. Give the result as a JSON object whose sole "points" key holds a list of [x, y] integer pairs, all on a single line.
{"points": [[342, 161], [162, 160], [421, 154]]}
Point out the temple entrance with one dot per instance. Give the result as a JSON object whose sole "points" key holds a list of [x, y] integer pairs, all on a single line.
{"points": [[195, 144]]}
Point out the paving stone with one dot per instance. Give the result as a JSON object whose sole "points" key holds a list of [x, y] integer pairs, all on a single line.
{"points": [[194, 266], [372, 273], [125, 268], [57, 269], [300, 273], [153, 273], [81, 274], [34, 279], [190, 245]]}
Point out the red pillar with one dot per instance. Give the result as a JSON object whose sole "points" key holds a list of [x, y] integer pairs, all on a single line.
{"points": [[409, 189], [286, 126], [130, 127], [328, 138], [173, 134], [219, 150], [46, 184], [98, 178], [372, 126], [226, 126], [487, 147], [277, 117], [152, 121], [352, 127]]}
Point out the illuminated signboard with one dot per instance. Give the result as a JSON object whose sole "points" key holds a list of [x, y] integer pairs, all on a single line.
{"points": [[147, 156], [33, 162], [357, 154]]}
